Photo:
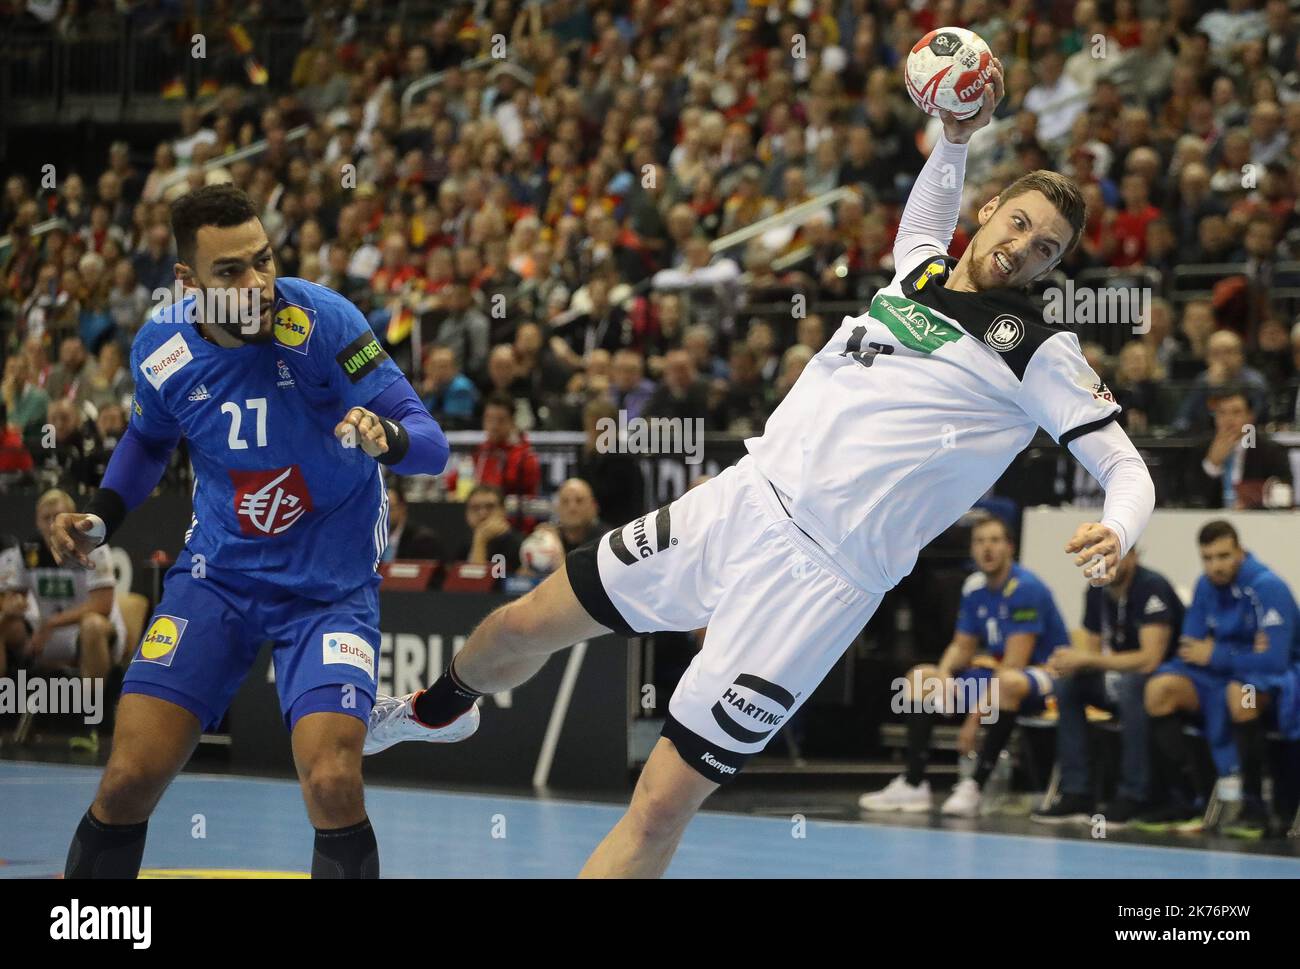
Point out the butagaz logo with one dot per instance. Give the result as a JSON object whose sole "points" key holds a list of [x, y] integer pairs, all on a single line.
{"points": [[294, 326], [912, 324], [716, 764], [1091, 382], [640, 537], [166, 360], [199, 393], [98, 923], [286, 378], [751, 708], [349, 649], [361, 356], [270, 502], [1005, 333]]}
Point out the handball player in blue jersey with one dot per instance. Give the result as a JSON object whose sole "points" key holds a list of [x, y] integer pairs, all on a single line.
{"points": [[289, 405]]}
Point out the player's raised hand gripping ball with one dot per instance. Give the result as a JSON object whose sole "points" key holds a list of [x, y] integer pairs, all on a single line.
{"points": [[74, 535], [364, 429], [1098, 551]]}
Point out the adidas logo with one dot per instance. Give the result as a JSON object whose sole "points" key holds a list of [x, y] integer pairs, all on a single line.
{"points": [[200, 393], [1271, 618], [1154, 604]]}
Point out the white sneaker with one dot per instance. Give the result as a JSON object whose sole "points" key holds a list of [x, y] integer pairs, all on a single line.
{"points": [[964, 801], [899, 796], [392, 721]]}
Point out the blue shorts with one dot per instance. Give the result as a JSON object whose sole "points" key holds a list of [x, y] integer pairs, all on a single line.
{"points": [[206, 633], [1041, 685]]}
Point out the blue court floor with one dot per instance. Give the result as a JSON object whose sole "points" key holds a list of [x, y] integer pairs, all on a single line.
{"points": [[255, 825]]}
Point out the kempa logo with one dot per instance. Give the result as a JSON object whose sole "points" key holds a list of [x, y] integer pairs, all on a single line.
{"points": [[1105, 306], [716, 764], [100, 923], [651, 435], [81, 696], [953, 696]]}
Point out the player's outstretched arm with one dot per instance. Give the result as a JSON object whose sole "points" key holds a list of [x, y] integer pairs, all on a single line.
{"points": [[134, 470], [934, 204], [395, 429], [1109, 456]]}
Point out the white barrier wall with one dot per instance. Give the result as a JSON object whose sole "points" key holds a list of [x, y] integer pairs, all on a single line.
{"points": [[1168, 545]]}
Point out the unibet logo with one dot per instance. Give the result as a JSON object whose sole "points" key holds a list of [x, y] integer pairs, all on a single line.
{"points": [[292, 327], [160, 642], [360, 357]]}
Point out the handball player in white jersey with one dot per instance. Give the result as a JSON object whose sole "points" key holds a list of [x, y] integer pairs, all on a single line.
{"points": [[897, 426]]}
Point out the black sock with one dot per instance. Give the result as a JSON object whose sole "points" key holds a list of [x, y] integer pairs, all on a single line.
{"points": [[995, 738], [919, 728], [100, 850], [446, 700], [1169, 755], [1250, 750], [350, 852]]}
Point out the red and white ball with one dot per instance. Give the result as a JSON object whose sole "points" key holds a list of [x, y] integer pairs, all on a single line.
{"points": [[542, 551], [947, 70]]}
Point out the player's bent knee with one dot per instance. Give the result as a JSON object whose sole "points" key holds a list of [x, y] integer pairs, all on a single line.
{"points": [[94, 624], [332, 786], [129, 790]]}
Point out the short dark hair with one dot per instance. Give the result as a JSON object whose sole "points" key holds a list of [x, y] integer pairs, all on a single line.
{"points": [[499, 398], [1213, 531], [1228, 391], [1062, 192], [979, 518], [480, 489], [222, 206]]}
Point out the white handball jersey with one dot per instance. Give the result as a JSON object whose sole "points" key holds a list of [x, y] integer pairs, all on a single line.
{"points": [[53, 588], [914, 409]]}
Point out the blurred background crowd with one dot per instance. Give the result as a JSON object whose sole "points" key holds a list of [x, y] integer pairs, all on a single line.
{"points": [[552, 212]]}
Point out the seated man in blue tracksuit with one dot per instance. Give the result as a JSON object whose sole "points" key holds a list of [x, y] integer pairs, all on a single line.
{"points": [[1007, 627], [1239, 658], [1131, 626]]}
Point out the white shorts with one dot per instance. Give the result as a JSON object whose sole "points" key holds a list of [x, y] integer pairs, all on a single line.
{"points": [[779, 614], [62, 650]]}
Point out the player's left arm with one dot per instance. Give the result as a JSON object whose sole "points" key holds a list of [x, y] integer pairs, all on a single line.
{"points": [[1018, 650], [381, 413], [395, 429], [1067, 398]]}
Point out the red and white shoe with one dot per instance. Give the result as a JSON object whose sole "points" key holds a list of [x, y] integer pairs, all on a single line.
{"points": [[393, 721]]}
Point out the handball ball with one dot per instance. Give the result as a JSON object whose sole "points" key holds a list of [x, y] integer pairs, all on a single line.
{"points": [[947, 70], [542, 551]]}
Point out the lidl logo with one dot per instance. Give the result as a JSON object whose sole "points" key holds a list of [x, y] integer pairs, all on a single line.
{"points": [[293, 327], [161, 641]]}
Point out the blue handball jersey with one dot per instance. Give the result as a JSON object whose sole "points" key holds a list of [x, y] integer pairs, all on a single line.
{"points": [[1022, 605], [277, 497]]}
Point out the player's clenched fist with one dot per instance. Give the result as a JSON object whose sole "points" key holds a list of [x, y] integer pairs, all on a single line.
{"points": [[364, 428], [1098, 552], [74, 536]]}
